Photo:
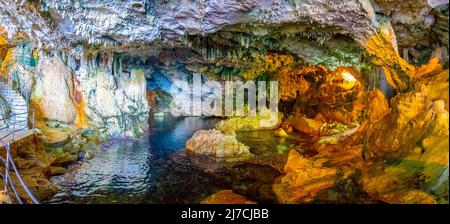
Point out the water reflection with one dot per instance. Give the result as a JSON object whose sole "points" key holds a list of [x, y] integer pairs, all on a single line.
{"points": [[155, 169], [123, 171]]}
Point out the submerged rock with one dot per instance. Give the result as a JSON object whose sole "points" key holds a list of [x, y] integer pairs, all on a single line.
{"points": [[216, 144]]}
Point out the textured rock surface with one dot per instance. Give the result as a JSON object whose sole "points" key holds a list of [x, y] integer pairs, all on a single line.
{"points": [[368, 80], [113, 22], [303, 179], [418, 142], [216, 144], [226, 197], [250, 123], [54, 91]]}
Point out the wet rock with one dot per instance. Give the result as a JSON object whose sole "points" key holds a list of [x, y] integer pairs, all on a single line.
{"points": [[86, 155], [4, 109], [226, 197], [56, 170], [216, 144], [407, 14]]}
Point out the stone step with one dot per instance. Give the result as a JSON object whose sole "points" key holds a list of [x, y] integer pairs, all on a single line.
{"points": [[22, 114], [17, 104]]}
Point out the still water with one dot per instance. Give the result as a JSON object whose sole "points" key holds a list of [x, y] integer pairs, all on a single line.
{"points": [[155, 168]]}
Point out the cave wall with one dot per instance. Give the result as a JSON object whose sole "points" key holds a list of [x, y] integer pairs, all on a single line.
{"points": [[109, 63], [100, 52], [87, 92]]}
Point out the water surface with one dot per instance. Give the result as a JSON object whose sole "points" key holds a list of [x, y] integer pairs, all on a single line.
{"points": [[155, 169]]}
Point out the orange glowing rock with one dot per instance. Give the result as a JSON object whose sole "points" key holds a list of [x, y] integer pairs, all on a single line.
{"points": [[151, 99], [81, 119], [280, 132], [380, 46], [349, 81], [307, 125], [3, 198], [8, 60], [303, 180], [383, 50], [433, 66], [292, 81], [378, 105], [226, 197], [436, 87]]}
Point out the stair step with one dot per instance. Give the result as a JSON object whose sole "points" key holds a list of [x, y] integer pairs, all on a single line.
{"points": [[18, 106]]}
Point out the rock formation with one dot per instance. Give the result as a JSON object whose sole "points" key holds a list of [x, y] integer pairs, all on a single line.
{"points": [[366, 81], [226, 197], [216, 144]]}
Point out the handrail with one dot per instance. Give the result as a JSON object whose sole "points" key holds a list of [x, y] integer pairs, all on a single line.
{"points": [[9, 161], [8, 181], [12, 115], [15, 130], [22, 182]]}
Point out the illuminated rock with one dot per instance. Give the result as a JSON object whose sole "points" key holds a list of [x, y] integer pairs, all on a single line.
{"points": [[108, 98], [307, 125], [303, 179], [226, 197], [280, 132], [3, 198], [216, 144], [270, 120], [54, 91], [378, 105], [415, 135], [436, 87]]}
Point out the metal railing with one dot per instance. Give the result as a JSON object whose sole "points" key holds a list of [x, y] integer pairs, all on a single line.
{"points": [[8, 181], [11, 128]]}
